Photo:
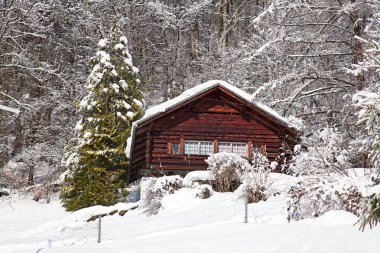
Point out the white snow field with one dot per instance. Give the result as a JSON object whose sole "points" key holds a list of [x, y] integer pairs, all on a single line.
{"points": [[184, 224]]}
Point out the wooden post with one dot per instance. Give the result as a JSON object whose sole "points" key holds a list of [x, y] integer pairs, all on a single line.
{"points": [[246, 209], [249, 150], [181, 146], [100, 228], [147, 150], [216, 146]]}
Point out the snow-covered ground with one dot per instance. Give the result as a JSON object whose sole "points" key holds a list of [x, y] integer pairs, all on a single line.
{"points": [[185, 224]]}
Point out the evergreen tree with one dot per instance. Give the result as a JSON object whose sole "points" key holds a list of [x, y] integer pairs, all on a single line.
{"points": [[368, 101], [369, 116], [96, 158]]}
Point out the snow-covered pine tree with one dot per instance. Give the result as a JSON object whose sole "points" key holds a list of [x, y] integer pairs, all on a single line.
{"points": [[369, 117], [96, 158], [368, 102]]}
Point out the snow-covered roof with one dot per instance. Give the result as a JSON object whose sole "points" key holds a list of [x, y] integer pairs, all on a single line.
{"points": [[197, 90]]}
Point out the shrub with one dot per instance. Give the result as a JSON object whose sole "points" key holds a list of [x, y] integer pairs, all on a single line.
{"points": [[255, 177], [231, 169], [154, 189], [326, 153], [225, 166], [204, 191], [313, 197]]}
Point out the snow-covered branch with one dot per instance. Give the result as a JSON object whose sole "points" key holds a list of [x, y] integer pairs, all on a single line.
{"points": [[9, 109]]}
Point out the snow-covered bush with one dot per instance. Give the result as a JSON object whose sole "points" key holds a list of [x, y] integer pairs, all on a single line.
{"points": [[30, 167], [151, 199], [326, 153], [154, 189], [204, 191], [230, 170], [225, 166], [313, 196], [255, 177]]}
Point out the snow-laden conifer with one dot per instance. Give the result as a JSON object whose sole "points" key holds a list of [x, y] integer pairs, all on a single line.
{"points": [[368, 101], [96, 158]]}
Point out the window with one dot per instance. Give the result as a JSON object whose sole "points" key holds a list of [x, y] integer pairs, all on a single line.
{"points": [[199, 147], [239, 148], [175, 149]]}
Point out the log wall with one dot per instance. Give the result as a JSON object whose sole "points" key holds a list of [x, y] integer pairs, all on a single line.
{"points": [[213, 119]]}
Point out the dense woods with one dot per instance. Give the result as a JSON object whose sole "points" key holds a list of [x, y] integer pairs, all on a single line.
{"points": [[299, 57]]}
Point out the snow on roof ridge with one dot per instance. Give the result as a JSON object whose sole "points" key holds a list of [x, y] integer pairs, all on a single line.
{"points": [[192, 92]]}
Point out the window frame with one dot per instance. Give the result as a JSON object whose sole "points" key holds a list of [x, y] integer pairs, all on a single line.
{"points": [[207, 146], [231, 147], [172, 149]]}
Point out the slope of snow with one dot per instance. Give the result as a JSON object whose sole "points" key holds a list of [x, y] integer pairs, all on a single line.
{"points": [[184, 224]]}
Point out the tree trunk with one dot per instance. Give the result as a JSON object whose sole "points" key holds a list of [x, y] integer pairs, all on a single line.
{"points": [[194, 39], [223, 24], [357, 46]]}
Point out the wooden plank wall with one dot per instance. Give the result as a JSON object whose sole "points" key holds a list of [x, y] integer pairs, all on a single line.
{"points": [[201, 120]]}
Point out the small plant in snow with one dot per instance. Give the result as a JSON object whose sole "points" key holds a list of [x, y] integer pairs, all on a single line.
{"points": [[151, 200], [204, 191], [154, 189]]}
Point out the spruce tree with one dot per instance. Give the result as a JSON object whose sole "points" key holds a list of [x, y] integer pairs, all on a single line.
{"points": [[368, 101], [96, 158]]}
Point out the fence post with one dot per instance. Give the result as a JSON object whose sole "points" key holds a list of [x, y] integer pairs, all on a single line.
{"points": [[246, 209], [99, 228]]}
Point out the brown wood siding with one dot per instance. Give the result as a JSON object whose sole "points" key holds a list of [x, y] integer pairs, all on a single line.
{"points": [[138, 157], [211, 119]]}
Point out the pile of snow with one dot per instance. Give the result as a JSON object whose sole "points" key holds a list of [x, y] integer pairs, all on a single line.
{"points": [[374, 190], [334, 217], [194, 176]]}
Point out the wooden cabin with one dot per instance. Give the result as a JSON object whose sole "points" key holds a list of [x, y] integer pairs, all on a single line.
{"points": [[176, 137]]}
